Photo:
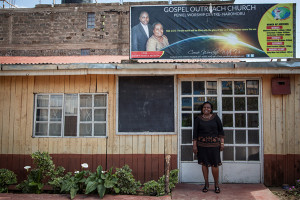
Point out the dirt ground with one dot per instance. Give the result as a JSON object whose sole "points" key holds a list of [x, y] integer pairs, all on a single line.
{"points": [[282, 195]]}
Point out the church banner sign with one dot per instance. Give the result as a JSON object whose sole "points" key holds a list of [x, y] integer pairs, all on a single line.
{"points": [[213, 31]]}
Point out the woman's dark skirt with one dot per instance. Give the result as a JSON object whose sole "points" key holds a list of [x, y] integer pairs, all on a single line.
{"points": [[209, 156]]}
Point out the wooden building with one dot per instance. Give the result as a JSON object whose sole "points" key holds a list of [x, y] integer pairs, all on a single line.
{"points": [[75, 107]]}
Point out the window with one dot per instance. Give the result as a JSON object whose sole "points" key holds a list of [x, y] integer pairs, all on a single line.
{"points": [[145, 105], [85, 52], [70, 115], [91, 20]]}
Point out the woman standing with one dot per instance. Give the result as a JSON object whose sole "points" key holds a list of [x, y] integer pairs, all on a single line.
{"points": [[208, 141]]}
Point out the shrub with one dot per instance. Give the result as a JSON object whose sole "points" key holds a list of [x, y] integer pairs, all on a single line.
{"points": [[126, 182], [154, 188], [7, 178], [57, 177], [36, 177], [75, 184], [100, 181]]}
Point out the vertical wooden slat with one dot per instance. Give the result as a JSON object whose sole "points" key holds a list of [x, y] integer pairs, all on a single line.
{"points": [[273, 130], [279, 125], [99, 85], [297, 126], [93, 84], [161, 153], [52, 88], [141, 157], [17, 142], [268, 134], [297, 115], [30, 145], [289, 111], [155, 159], [11, 115], [2, 93], [128, 150], [134, 156], [106, 84], [87, 83], [148, 161], [122, 144], [23, 115]]}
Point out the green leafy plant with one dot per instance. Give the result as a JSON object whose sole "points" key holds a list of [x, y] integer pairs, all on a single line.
{"points": [[7, 178], [75, 184], [100, 181], [154, 188], [126, 182], [37, 176], [57, 177], [157, 188]]}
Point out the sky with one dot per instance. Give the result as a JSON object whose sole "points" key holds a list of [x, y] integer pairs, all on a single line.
{"points": [[32, 3]]}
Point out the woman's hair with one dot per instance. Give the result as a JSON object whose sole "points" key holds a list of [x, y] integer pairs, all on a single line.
{"points": [[206, 102], [155, 23]]}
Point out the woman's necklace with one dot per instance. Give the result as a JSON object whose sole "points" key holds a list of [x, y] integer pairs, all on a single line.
{"points": [[206, 116]]}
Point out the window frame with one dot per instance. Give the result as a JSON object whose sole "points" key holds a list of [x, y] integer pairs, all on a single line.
{"points": [[78, 122], [220, 113], [85, 52], [146, 132], [91, 20]]}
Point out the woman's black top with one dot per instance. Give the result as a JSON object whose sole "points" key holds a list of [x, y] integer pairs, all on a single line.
{"points": [[207, 132]]}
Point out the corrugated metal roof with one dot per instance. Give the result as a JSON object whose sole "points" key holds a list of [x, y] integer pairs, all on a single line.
{"points": [[60, 59], [97, 59]]}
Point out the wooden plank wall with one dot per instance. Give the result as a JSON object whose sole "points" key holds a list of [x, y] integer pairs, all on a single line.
{"points": [[16, 126], [281, 123]]}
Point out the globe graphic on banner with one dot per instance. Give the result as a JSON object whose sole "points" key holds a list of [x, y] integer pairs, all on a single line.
{"points": [[212, 47], [281, 13]]}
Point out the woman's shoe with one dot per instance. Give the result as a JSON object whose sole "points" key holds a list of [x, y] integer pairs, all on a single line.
{"points": [[217, 189], [205, 189]]}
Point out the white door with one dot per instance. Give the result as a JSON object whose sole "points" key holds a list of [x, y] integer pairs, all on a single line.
{"points": [[238, 104]]}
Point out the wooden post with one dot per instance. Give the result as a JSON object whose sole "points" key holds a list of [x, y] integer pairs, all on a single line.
{"points": [[167, 174]]}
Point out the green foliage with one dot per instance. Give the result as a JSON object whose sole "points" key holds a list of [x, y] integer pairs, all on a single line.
{"points": [[126, 182], [74, 184], [57, 177], [36, 177], [7, 177], [294, 190], [154, 188], [173, 179], [100, 181]]}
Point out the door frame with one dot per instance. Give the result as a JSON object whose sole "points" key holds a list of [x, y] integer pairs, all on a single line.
{"points": [[219, 100]]}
